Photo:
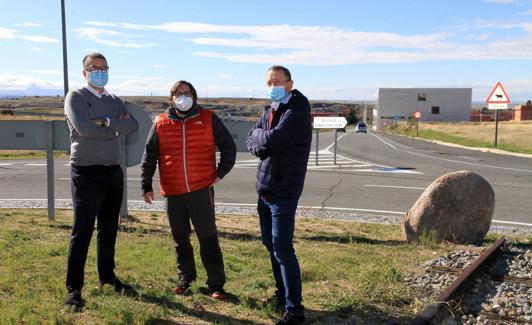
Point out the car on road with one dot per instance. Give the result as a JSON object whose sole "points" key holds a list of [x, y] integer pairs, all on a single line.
{"points": [[340, 130], [361, 127]]}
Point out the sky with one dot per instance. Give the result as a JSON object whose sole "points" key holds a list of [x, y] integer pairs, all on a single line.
{"points": [[335, 50]]}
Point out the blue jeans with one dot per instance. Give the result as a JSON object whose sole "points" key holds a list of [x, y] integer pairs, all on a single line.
{"points": [[277, 219]]}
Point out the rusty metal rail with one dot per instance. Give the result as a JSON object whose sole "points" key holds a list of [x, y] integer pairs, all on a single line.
{"points": [[436, 312]]}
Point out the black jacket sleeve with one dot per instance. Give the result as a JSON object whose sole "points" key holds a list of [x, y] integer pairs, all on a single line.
{"points": [[149, 160], [257, 150], [225, 143]]}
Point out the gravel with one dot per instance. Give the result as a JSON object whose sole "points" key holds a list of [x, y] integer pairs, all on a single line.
{"points": [[251, 210], [488, 301]]}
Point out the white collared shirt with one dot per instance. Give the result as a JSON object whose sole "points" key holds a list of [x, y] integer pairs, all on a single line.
{"points": [[95, 92], [275, 105]]}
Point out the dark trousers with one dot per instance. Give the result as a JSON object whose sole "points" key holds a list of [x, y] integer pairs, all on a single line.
{"points": [[277, 222], [96, 194], [198, 207]]}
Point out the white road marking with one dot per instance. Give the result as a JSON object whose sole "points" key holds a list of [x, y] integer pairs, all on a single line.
{"points": [[389, 170], [386, 143], [512, 223], [394, 186], [34, 164], [5, 164], [452, 160], [326, 163]]}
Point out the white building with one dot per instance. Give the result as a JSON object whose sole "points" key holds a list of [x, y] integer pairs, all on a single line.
{"points": [[435, 104]]}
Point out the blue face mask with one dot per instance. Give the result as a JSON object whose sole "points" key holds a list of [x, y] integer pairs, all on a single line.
{"points": [[277, 93], [98, 78]]}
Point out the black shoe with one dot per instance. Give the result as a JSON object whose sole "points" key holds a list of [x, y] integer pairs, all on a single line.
{"points": [[74, 301], [118, 285], [291, 318]]}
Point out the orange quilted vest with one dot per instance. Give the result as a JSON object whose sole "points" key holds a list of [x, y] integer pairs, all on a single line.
{"points": [[187, 153]]}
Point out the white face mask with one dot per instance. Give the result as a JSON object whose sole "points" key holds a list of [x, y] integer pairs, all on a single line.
{"points": [[183, 103]]}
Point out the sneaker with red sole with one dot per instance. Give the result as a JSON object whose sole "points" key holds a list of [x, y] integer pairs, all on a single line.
{"points": [[217, 293], [181, 289]]}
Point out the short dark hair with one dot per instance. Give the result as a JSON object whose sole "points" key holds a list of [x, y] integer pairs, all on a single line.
{"points": [[283, 69], [93, 55], [173, 90]]}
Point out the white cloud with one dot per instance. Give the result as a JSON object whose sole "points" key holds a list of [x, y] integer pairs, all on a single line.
{"points": [[105, 37], [159, 66], [37, 49], [29, 24], [40, 39], [6, 33], [527, 13], [19, 82], [326, 45], [477, 37], [122, 25]]}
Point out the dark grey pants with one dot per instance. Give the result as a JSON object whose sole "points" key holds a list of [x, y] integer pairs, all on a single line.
{"points": [[96, 194], [198, 207]]}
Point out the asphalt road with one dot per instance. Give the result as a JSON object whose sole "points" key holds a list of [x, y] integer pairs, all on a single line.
{"points": [[374, 174]]}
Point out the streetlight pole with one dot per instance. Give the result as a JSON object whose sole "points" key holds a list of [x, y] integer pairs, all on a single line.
{"points": [[65, 64]]}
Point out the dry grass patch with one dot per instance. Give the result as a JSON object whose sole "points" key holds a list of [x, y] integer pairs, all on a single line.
{"points": [[512, 136], [348, 268]]}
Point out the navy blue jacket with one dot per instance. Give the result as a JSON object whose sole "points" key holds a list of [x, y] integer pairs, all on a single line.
{"points": [[283, 149]]}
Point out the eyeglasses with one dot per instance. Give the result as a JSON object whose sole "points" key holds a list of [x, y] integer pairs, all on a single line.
{"points": [[93, 68], [186, 93]]}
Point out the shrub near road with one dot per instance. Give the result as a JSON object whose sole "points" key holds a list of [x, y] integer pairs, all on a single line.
{"points": [[512, 136], [349, 270]]}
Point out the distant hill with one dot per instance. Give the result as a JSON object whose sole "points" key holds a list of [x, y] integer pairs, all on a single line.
{"points": [[31, 91]]}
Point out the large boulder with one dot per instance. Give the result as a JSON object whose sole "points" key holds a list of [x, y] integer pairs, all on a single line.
{"points": [[456, 207]]}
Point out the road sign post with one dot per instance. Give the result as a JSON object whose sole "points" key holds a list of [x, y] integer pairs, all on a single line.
{"points": [[317, 147], [329, 122], [496, 127], [335, 142], [497, 99], [417, 116], [395, 119]]}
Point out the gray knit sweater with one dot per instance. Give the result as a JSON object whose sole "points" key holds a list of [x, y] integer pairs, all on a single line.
{"points": [[92, 144]]}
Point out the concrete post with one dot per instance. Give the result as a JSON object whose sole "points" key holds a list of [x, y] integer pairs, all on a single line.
{"points": [[50, 169]]}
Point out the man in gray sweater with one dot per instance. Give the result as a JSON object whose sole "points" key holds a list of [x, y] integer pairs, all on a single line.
{"points": [[95, 119]]}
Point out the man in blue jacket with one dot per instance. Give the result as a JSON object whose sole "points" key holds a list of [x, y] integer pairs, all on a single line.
{"points": [[282, 139]]}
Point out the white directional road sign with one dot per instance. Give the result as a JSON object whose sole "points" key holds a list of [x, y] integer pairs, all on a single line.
{"points": [[498, 106], [329, 122]]}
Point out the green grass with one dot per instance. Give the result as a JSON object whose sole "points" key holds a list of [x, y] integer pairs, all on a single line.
{"points": [[29, 154], [347, 268], [410, 130]]}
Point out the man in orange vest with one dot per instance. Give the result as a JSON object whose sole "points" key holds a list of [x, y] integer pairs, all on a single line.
{"points": [[183, 142]]}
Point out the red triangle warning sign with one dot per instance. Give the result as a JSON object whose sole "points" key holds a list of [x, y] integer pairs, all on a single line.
{"points": [[498, 95]]}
